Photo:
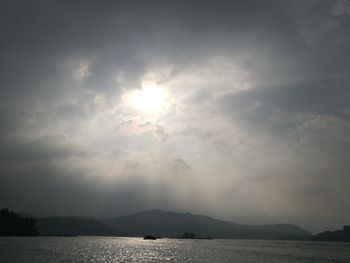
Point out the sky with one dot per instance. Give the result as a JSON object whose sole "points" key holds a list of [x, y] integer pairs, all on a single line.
{"points": [[239, 110]]}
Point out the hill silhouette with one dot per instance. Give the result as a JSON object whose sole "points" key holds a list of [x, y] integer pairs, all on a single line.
{"points": [[171, 224], [12, 224], [337, 235], [75, 226], [154, 222]]}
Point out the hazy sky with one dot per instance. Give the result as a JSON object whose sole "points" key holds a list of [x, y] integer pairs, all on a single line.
{"points": [[235, 109]]}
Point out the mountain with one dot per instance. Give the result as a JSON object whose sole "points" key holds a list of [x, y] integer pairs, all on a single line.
{"points": [[338, 235], [171, 224], [74, 226], [12, 224], [289, 230]]}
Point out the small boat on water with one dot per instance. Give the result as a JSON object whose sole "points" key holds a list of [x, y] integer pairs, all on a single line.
{"points": [[149, 237]]}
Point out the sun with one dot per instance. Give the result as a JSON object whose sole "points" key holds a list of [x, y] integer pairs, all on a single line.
{"points": [[149, 99]]}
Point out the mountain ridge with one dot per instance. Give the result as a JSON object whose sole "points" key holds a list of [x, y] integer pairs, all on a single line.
{"points": [[61, 225], [174, 224], [166, 224]]}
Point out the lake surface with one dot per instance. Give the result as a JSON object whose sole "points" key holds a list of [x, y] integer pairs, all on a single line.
{"points": [[111, 249]]}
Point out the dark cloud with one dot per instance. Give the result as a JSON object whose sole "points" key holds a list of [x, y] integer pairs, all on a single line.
{"points": [[180, 165], [50, 189], [46, 148], [268, 107]]}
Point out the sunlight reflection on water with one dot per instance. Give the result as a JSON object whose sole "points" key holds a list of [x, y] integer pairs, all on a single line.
{"points": [[106, 250]]}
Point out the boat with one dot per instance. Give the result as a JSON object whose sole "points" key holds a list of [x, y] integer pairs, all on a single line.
{"points": [[149, 237]]}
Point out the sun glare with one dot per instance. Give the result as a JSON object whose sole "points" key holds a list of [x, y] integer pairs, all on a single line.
{"points": [[149, 99]]}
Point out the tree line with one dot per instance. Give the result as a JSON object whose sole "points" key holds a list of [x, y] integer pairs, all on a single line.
{"points": [[12, 224]]}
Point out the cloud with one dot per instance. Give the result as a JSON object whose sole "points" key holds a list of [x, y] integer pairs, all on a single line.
{"points": [[46, 148], [180, 165], [255, 123], [280, 108]]}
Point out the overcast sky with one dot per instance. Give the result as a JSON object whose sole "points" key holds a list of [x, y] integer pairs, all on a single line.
{"points": [[235, 109]]}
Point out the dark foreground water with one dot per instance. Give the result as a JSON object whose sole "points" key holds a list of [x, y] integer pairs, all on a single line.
{"points": [[106, 249]]}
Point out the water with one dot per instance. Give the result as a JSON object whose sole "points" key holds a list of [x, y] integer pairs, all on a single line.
{"points": [[106, 249]]}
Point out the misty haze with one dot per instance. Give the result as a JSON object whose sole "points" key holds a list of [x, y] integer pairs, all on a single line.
{"points": [[219, 131]]}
